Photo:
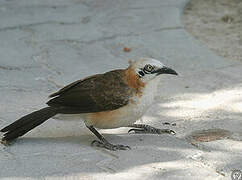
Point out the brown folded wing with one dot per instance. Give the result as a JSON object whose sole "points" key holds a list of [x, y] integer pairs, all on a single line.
{"points": [[101, 92]]}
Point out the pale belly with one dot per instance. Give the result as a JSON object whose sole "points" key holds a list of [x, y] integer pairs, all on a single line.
{"points": [[121, 117]]}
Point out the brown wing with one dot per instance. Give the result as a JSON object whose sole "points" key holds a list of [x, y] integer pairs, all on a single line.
{"points": [[96, 93]]}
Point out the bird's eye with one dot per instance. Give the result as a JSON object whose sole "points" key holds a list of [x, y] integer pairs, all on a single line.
{"points": [[148, 68]]}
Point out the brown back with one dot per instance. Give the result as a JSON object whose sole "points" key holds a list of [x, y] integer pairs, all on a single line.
{"points": [[96, 93]]}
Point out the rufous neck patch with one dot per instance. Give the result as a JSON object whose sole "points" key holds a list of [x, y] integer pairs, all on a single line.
{"points": [[133, 80]]}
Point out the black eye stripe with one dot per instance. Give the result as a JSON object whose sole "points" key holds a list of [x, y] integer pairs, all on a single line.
{"points": [[141, 73]]}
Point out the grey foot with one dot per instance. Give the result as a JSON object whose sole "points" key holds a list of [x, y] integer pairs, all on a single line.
{"points": [[109, 146], [146, 129]]}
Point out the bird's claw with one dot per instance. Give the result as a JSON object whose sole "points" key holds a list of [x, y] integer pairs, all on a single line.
{"points": [[109, 146]]}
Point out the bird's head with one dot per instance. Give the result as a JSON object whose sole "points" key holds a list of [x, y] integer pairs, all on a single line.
{"points": [[148, 69]]}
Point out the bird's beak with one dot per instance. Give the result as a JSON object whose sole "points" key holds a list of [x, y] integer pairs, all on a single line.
{"points": [[165, 70]]}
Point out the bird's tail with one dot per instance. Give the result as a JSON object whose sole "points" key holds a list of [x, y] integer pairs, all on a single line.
{"points": [[27, 123]]}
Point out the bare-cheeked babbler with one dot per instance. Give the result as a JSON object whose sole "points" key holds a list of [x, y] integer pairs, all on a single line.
{"points": [[114, 99]]}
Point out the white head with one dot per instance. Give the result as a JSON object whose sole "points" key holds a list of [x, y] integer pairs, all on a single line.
{"points": [[148, 69]]}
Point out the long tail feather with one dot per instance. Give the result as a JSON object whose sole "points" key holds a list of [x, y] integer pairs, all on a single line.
{"points": [[27, 123]]}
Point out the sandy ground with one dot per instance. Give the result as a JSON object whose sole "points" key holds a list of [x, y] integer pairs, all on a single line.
{"points": [[218, 24], [45, 45]]}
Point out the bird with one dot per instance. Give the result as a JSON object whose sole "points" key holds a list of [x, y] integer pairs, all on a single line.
{"points": [[114, 99]]}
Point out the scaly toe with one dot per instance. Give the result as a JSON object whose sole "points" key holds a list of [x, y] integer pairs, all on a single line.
{"points": [[152, 131], [168, 131], [122, 147], [109, 146]]}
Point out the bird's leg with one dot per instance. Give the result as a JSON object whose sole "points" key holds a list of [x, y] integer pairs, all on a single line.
{"points": [[104, 143], [143, 128]]}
